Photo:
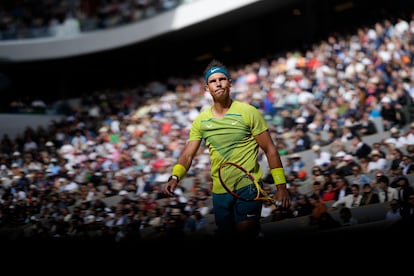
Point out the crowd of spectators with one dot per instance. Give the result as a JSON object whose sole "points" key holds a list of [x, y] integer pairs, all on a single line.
{"points": [[33, 19], [96, 174]]}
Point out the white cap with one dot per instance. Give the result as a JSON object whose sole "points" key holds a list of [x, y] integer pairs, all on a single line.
{"points": [[340, 154], [394, 130], [300, 120], [123, 192], [316, 147], [385, 100]]}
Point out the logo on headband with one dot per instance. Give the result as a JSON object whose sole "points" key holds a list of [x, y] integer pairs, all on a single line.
{"points": [[216, 70]]}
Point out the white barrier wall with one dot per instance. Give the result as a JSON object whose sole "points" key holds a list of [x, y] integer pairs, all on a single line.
{"points": [[93, 41], [14, 124]]}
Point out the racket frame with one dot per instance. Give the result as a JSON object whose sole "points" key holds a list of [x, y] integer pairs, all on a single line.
{"points": [[261, 195]]}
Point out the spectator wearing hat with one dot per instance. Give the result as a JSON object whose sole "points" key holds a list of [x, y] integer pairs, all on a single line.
{"points": [[294, 163], [395, 138], [340, 154], [53, 168], [124, 197], [349, 163], [330, 167], [301, 124], [322, 156], [17, 159], [379, 147], [339, 159], [409, 135], [376, 162]]}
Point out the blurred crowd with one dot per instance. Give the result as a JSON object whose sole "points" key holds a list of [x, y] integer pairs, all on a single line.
{"points": [[97, 173], [33, 19]]}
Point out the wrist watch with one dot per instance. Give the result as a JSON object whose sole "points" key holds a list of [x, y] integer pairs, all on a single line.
{"points": [[173, 177]]}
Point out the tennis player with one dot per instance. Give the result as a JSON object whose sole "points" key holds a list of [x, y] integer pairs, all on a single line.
{"points": [[232, 131]]}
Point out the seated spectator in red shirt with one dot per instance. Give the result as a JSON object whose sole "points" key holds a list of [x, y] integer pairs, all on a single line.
{"points": [[328, 193]]}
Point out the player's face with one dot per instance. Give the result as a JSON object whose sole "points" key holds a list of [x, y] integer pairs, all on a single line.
{"points": [[219, 86]]}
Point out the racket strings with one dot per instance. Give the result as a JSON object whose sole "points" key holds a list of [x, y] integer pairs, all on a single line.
{"points": [[264, 196], [234, 177]]}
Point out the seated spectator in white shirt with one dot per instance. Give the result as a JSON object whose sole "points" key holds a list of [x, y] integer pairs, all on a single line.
{"points": [[322, 156], [409, 135], [351, 201], [376, 163], [395, 138], [385, 191]]}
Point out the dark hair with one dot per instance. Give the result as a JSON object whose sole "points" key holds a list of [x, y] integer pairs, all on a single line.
{"points": [[384, 179], [315, 197], [404, 180], [366, 185], [316, 183], [354, 185], [214, 63]]}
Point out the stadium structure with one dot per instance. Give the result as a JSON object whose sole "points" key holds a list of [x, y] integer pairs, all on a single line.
{"points": [[178, 42]]}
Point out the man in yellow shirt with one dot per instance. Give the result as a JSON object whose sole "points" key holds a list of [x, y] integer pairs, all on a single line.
{"points": [[232, 131]]}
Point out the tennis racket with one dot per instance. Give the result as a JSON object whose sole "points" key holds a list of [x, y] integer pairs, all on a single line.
{"points": [[233, 176]]}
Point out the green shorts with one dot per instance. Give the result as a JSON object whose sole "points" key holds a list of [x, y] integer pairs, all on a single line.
{"points": [[228, 210]]}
